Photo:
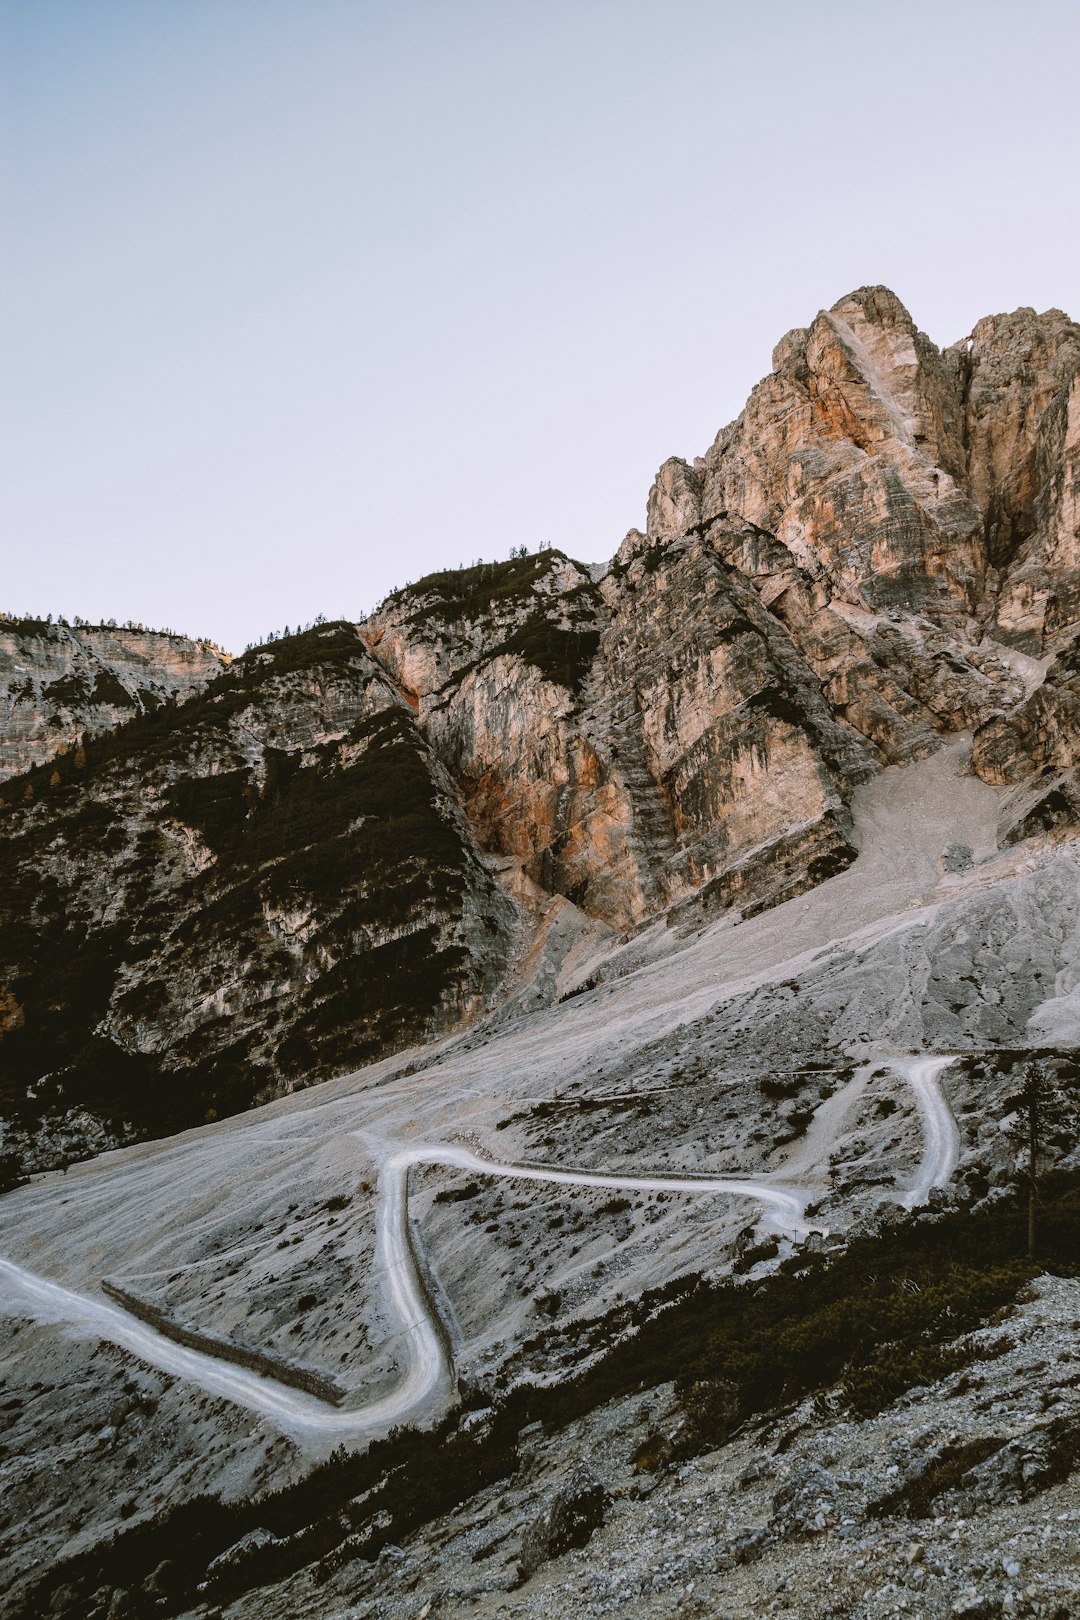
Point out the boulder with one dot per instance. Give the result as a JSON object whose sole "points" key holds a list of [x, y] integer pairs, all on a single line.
{"points": [[567, 1519]]}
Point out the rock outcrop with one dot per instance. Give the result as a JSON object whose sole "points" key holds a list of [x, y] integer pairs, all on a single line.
{"points": [[231, 897], [59, 683], [1021, 397], [875, 555], [567, 1519], [1035, 749], [704, 688]]}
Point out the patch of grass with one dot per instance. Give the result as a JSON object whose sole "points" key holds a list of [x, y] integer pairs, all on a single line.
{"points": [[214, 805], [873, 1322], [11, 1175]]}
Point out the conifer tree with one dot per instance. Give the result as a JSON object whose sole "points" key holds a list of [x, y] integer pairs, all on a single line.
{"points": [[1042, 1111]]}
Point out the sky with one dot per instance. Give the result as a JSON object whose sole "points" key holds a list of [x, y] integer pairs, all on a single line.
{"points": [[303, 299]]}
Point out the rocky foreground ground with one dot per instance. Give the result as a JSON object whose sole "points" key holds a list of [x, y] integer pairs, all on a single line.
{"points": [[955, 1500]]}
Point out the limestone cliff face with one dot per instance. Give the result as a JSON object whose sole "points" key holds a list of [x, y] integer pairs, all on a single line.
{"points": [[851, 455], [1020, 377], [367, 833], [908, 506], [1035, 749], [706, 690], [628, 743], [498, 662], [59, 682], [910, 516]]}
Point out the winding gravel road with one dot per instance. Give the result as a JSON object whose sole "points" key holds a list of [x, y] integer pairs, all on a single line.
{"points": [[50, 1302], [429, 1373], [942, 1139]]}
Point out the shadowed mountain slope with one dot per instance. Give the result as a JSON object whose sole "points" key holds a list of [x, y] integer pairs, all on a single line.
{"points": [[233, 896]]}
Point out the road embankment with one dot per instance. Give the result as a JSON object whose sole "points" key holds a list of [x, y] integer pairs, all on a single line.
{"points": [[256, 1361]]}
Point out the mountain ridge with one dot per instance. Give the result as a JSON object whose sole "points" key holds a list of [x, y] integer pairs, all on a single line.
{"points": [[687, 952], [883, 550]]}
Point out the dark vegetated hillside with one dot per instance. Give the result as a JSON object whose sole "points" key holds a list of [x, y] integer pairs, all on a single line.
{"points": [[230, 897], [555, 630], [469, 593], [159, 736]]}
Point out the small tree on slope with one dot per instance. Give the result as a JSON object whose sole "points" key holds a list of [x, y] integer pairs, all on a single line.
{"points": [[1045, 1115]]}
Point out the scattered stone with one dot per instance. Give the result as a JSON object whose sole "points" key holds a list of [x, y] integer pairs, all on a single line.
{"points": [[248, 1546]]}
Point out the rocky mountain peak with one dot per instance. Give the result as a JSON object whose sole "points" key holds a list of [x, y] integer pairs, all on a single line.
{"points": [[880, 552], [674, 504]]}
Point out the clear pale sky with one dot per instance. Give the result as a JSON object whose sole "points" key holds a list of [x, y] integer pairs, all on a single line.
{"points": [[304, 298]]}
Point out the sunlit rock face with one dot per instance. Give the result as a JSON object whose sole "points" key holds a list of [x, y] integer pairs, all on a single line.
{"points": [[836, 584], [1021, 395], [231, 897], [739, 748], [627, 743], [903, 476], [851, 453], [1035, 749], [498, 662], [369, 833]]}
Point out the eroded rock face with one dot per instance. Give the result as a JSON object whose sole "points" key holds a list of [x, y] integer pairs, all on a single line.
{"points": [[1021, 406], [728, 721], [59, 683], [909, 515], [835, 585], [674, 500], [851, 455], [1035, 749], [498, 663], [883, 550], [235, 896], [684, 735]]}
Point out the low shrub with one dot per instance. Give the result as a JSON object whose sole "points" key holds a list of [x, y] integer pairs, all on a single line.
{"points": [[457, 1195]]}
